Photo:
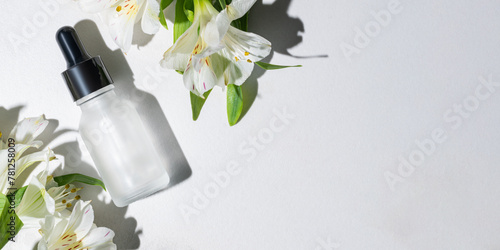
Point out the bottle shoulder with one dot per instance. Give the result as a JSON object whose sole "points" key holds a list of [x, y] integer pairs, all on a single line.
{"points": [[105, 109]]}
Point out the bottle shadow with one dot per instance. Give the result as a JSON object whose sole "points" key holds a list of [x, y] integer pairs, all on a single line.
{"points": [[145, 103]]}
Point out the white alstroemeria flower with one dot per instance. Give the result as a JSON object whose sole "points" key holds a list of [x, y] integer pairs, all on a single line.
{"points": [[63, 195], [24, 135], [121, 15], [36, 203], [211, 52], [44, 197], [76, 232]]}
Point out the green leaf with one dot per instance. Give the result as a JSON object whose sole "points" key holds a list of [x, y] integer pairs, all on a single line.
{"points": [[222, 3], [268, 66], [189, 10], [20, 194], [241, 23], [181, 23], [234, 103], [197, 103], [70, 178], [163, 5], [10, 223]]}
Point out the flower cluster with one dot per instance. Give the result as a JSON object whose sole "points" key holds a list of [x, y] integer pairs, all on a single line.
{"points": [[212, 47], [44, 203], [211, 52]]}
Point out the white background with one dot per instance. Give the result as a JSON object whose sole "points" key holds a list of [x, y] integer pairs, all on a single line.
{"points": [[320, 180]]}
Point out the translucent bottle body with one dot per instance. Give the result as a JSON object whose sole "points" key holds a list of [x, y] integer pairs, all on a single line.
{"points": [[120, 147]]}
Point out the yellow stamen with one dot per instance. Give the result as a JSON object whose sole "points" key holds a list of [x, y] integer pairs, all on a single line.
{"points": [[73, 190], [68, 205], [66, 186], [77, 197], [118, 8], [249, 60], [63, 201], [236, 58], [246, 53]]}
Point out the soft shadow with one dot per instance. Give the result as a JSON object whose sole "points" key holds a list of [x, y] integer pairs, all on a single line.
{"points": [[146, 104], [272, 22], [50, 133], [140, 38], [9, 119]]}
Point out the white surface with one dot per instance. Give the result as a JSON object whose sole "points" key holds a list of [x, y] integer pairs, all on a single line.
{"points": [[322, 177]]}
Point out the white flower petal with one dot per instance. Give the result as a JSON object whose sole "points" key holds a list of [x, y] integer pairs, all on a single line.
{"points": [[53, 234], [81, 219], [237, 71], [177, 56], [219, 65], [98, 236], [95, 6], [246, 45], [28, 129], [190, 79], [76, 232], [35, 205], [20, 148], [42, 245], [215, 30], [46, 226], [212, 52], [217, 27], [105, 246], [24, 162], [238, 8], [205, 52], [150, 23], [207, 79], [121, 20]]}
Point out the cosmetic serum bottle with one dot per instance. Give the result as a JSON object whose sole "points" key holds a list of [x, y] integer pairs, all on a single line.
{"points": [[110, 127]]}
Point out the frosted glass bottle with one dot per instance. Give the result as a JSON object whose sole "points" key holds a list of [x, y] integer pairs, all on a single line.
{"points": [[110, 127], [120, 147]]}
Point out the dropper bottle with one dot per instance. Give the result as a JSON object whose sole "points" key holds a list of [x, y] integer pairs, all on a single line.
{"points": [[110, 127]]}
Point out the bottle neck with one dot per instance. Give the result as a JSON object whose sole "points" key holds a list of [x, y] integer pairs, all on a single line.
{"points": [[87, 98]]}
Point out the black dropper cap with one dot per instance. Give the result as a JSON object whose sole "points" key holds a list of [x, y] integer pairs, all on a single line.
{"points": [[85, 74]]}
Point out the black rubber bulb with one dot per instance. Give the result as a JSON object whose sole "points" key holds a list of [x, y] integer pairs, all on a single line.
{"points": [[71, 46], [85, 74]]}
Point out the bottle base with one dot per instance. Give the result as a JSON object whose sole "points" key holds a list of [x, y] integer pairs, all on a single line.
{"points": [[143, 192]]}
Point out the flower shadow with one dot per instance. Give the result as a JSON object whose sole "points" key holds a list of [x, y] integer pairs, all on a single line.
{"points": [[140, 38], [272, 22]]}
